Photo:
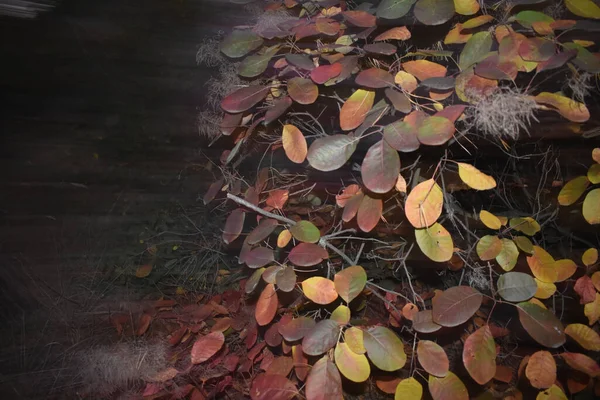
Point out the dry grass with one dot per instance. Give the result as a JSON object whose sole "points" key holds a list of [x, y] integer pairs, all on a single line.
{"points": [[579, 85], [112, 368], [226, 81], [504, 113], [208, 124], [208, 53]]}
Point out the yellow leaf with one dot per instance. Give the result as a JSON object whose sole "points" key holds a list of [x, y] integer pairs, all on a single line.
{"points": [[524, 244], [596, 280], [466, 7], [353, 366], [594, 174], [355, 109], [592, 310], [341, 315], [564, 269], [583, 8], [489, 247], [544, 289], [284, 238], [584, 335], [573, 190], [568, 108], [354, 339], [424, 204], [435, 242], [474, 178], [527, 225], [537, 303], [320, 290], [584, 43], [294, 144], [591, 207], [490, 220], [542, 265], [596, 154], [406, 81], [409, 389], [507, 259], [552, 393]]}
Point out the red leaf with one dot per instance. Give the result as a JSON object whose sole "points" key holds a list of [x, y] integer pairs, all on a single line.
{"points": [[207, 346], [351, 207], [374, 78], [585, 289], [297, 328], [143, 324], [380, 167], [369, 213], [243, 99], [307, 255], [324, 73], [262, 231], [277, 198], [272, 387], [456, 305], [324, 381]]}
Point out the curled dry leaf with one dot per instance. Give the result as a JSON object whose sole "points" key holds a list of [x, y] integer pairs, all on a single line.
{"points": [[541, 370]]}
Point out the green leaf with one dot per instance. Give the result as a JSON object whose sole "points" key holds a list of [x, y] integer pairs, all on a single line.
{"points": [[516, 286], [393, 9], [583, 8], [240, 42], [305, 231], [489, 247], [331, 152], [408, 389], [435, 242], [507, 259], [591, 207], [255, 65], [434, 12], [527, 18], [475, 50], [435, 131], [541, 324], [384, 348], [584, 59]]}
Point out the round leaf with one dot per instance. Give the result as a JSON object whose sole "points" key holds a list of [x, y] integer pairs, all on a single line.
{"points": [[583, 8], [384, 348], [354, 338], [394, 9], [584, 335], [590, 257], [240, 42], [423, 322], [321, 338], [307, 255], [435, 131], [353, 366], [424, 204], [527, 225], [435, 242], [380, 167], [541, 370], [541, 324], [265, 227], [341, 315], [302, 90], [507, 258], [516, 286], [433, 358], [434, 12], [297, 328], [369, 213], [573, 190], [479, 355], [490, 220], [489, 247], [542, 265], [305, 231], [320, 290], [456, 305], [374, 78], [350, 282], [401, 135], [286, 279]]}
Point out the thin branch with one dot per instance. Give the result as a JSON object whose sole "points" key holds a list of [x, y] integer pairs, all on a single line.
{"points": [[260, 210]]}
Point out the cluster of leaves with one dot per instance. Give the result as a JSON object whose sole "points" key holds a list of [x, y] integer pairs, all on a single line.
{"points": [[331, 78]]}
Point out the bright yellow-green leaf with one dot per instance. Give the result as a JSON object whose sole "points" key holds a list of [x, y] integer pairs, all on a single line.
{"points": [[490, 220], [524, 244], [507, 259], [474, 178], [583, 8], [527, 225], [568, 108], [424, 204], [354, 338], [584, 335], [435, 242], [409, 389], [341, 315], [573, 190], [545, 290], [320, 290], [552, 393], [466, 7], [594, 173], [489, 247], [353, 366], [591, 207], [590, 257]]}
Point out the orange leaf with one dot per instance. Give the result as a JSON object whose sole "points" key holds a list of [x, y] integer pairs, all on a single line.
{"points": [[424, 204], [320, 290], [424, 69], [266, 307], [355, 109], [143, 270], [541, 370], [369, 213], [433, 358], [294, 144], [397, 33], [207, 346], [479, 355]]}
